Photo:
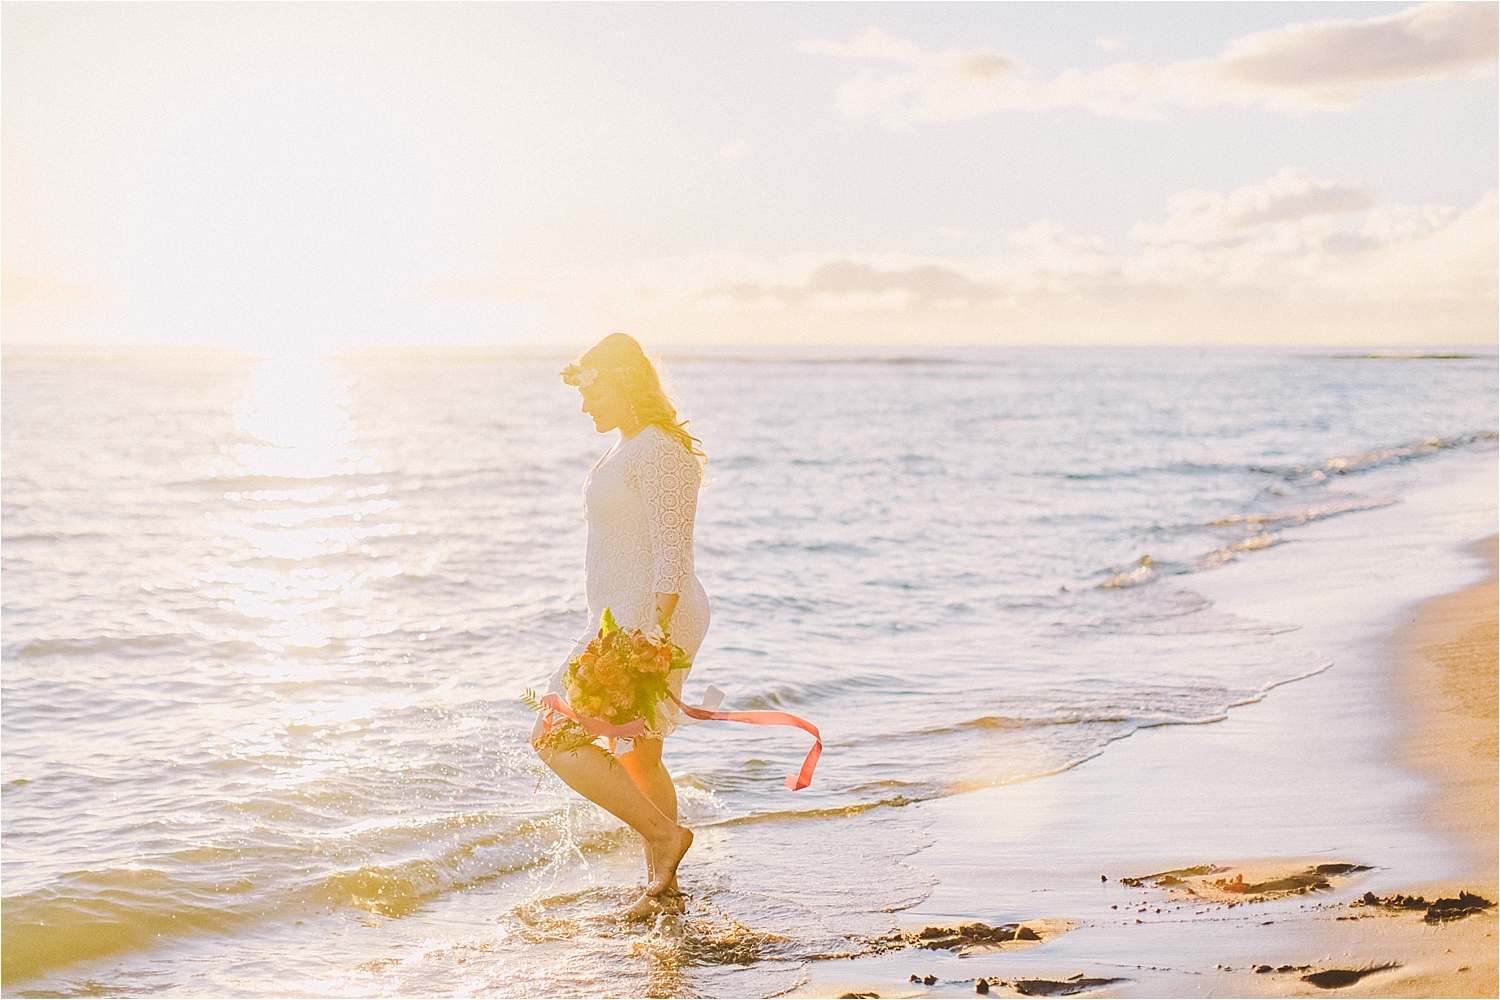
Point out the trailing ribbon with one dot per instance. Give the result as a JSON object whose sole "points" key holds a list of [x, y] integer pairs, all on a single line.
{"points": [[594, 727], [598, 727], [795, 782]]}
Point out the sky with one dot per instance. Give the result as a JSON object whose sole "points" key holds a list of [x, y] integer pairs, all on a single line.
{"points": [[278, 177]]}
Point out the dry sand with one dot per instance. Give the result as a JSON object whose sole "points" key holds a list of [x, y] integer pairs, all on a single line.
{"points": [[1266, 925]]}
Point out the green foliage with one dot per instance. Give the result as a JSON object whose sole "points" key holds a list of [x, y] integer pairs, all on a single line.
{"points": [[621, 676]]}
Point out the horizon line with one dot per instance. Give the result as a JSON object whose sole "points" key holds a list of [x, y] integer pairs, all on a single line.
{"points": [[136, 350]]}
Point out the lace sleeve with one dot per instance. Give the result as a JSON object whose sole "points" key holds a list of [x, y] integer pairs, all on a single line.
{"points": [[668, 477]]}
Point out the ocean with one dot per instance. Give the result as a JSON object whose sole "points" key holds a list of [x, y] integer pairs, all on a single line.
{"points": [[267, 624]]}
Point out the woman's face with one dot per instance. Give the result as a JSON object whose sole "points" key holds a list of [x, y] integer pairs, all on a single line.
{"points": [[603, 401]]}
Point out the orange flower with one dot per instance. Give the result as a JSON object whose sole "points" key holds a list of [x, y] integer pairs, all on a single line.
{"points": [[620, 675]]}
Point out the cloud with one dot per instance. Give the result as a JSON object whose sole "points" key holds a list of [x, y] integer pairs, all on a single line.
{"points": [[1296, 69], [845, 284], [1115, 44], [31, 289], [1290, 196], [1295, 258], [1338, 57], [1292, 232], [35, 304]]}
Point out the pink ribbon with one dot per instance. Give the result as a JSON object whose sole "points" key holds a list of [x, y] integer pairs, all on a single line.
{"points": [[594, 727], [598, 727], [795, 782]]}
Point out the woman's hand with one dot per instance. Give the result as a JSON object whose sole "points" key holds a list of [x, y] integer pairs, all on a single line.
{"points": [[665, 605]]}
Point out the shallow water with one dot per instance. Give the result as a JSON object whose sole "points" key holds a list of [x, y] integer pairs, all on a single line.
{"points": [[265, 625]]}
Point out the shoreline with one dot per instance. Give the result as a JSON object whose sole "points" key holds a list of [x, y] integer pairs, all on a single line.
{"points": [[1352, 767], [448, 895]]}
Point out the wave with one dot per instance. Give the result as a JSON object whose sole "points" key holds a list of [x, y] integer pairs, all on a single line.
{"points": [[1344, 465], [1147, 569], [1302, 515], [100, 914], [1398, 356], [1316, 471], [1142, 571], [1069, 717], [785, 696], [131, 645], [825, 812], [93, 914], [395, 868], [53, 536]]}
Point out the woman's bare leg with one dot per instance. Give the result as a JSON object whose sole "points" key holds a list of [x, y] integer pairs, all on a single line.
{"points": [[645, 768], [597, 776], [643, 764]]}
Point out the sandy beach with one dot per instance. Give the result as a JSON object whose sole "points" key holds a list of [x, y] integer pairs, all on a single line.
{"points": [[1278, 852], [1061, 438], [1446, 654]]}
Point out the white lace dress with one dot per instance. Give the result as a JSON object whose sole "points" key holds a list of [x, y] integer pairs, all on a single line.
{"points": [[640, 499]]}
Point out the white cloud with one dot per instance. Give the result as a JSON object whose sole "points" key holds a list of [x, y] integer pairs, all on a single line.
{"points": [[1296, 258], [1296, 69], [1292, 195], [1331, 60], [1292, 233], [1115, 44], [844, 284]]}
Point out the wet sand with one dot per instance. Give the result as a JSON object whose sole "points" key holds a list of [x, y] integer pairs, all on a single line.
{"points": [[1237, 858], [1447, 674]]}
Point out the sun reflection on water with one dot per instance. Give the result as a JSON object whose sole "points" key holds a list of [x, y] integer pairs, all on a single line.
{"points": [[296, 410], [296, 552]]}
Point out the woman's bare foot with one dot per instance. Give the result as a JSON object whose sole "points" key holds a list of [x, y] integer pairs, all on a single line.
{"points": [[672, 886], [666, 857], [673, 902], [670, 903], [642, 909]]}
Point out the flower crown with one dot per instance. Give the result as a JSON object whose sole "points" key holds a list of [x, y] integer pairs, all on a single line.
{"points": [[581, 377]]}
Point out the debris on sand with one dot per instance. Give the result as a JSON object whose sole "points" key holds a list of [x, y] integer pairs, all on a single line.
{"points": [[1258, 883], [1438, 911], [967, 938], [1311, 880], [1333, 979], [1052, 988], [971, 934], [1176, 876]]}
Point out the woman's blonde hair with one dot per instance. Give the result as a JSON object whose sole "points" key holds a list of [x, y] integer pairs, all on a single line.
{"points": [[620, 359]]}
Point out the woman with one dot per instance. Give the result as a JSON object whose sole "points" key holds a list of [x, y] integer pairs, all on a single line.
{"points": [[640, 500]]}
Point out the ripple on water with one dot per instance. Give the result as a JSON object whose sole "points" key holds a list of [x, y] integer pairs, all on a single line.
{"points": [[265, 627]]}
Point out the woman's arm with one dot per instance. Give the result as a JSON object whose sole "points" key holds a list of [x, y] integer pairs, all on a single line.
{"points": [[665, 605], [668, 478]]}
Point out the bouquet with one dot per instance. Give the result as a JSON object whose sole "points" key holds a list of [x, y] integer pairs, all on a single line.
{"points": [[621, 677]]}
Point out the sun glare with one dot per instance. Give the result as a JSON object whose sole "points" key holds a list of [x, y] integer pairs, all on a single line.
{"points": [[296, 424], [300, 540], [290, 220]]}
